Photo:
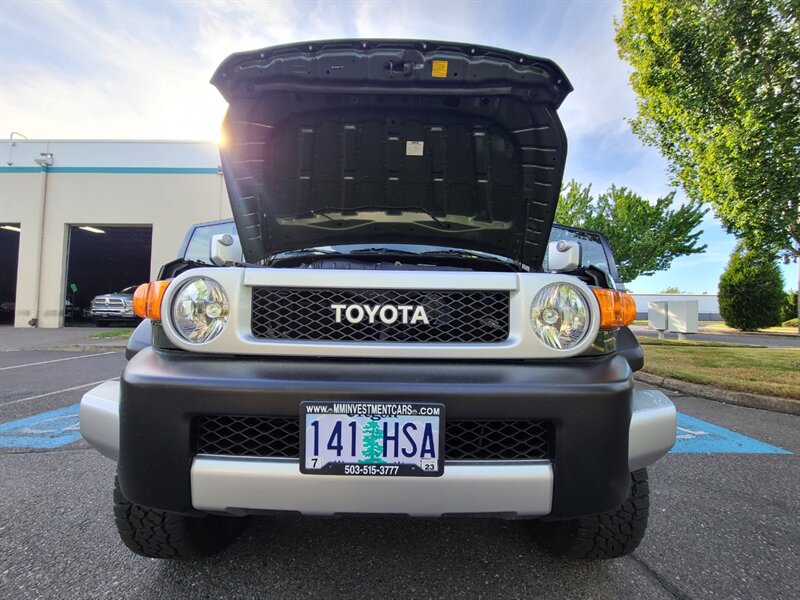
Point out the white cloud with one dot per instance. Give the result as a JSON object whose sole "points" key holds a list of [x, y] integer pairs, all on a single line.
{"points": [[129, 70], [129, 73], [585, 48]]}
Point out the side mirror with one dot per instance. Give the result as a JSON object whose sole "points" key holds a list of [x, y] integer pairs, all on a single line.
{"points": [[563, 256], [225, 249]]}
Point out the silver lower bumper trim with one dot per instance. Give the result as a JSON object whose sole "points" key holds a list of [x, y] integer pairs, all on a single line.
{"points": [[652, 431], [239, 485], [99, 417]]}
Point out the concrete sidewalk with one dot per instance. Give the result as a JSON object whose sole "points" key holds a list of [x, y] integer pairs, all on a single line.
{"points": [[729, 330], [74, 339], [756, 339]]}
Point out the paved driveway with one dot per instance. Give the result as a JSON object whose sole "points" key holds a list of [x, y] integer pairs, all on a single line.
{"points": [[771, 341]]}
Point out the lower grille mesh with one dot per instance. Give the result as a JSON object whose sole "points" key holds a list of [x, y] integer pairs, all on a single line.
{"points": [[279, 437]]}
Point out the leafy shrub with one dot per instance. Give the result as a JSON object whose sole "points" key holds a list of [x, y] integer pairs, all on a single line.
{"points": [[751, 290], [789, 308], [790, 323]]}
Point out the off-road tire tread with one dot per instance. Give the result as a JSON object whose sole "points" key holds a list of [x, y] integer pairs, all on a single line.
{"points": [[608, 535], [159, 534]]}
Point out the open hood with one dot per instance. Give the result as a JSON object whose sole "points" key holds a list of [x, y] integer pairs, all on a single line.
{"points": [[376, 142]]}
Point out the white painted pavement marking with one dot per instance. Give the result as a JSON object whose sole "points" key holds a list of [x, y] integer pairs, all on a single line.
{"points": [[685, 433], [45, 362], [71, 389]]}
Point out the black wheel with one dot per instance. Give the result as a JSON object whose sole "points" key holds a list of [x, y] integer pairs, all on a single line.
{"points": [[607, 535], [98, 323], [159, 534]]}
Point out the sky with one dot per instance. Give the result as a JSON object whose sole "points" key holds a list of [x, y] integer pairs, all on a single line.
{"points": [[140, 70]]}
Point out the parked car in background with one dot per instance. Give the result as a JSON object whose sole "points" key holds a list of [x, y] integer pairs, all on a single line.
{"points": [[113, 308]]}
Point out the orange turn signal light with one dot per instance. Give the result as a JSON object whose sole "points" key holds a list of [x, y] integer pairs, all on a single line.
{"points": [[147, 299], [617, 309]]}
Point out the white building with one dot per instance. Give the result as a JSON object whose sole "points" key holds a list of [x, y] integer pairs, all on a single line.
{"points": [[137, 199], [707, 304]]}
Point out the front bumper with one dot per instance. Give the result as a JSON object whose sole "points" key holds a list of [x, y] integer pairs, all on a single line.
{"points": [[112, 314], [603, 430]]}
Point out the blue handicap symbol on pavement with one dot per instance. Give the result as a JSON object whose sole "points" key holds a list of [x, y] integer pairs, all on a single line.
{"points": [[51, 429], [699, 436]]}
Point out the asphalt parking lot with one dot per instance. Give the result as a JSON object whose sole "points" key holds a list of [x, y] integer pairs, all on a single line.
{"points": [[724, 520]]}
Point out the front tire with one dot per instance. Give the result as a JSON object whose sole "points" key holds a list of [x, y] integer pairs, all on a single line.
{"points": [[159, 534], [608, 535]]}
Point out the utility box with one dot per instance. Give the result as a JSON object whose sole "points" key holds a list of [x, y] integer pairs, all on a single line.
{"points": [[657, 315], [682, 316]]}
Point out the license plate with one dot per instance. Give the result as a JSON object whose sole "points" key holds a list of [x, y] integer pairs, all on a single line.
{"points": [[372, 439]]}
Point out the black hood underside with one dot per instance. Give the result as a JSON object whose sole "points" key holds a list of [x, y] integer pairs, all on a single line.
{"points": [[351, 142]]}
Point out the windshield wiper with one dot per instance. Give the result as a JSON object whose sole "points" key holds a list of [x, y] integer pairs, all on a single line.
{"points": [[506, 262], [467, 253], [289, 254], [303, 252], [380, 251]]}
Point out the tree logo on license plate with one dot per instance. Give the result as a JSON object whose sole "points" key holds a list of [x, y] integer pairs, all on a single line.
{"points": [[372, 444]]}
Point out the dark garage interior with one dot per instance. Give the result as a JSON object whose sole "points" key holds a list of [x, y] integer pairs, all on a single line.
{"points": [[9, 250], [103, 259]]}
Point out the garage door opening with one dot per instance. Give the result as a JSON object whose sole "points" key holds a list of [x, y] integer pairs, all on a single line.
{"points": [[103, 259], [9, 250]]}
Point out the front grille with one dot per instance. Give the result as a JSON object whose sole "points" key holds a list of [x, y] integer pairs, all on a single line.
{"points": [[276, 437], [496, 440], [108, 303], [453, 316], [279, 437]]}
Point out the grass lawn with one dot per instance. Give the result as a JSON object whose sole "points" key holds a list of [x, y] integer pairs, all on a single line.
{"points": [[769, 371], [113, 333]]}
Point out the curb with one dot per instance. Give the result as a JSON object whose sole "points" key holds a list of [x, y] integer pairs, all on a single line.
{"points": [[81, 348], [771, 403]]}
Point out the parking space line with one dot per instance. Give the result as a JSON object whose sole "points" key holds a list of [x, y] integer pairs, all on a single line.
{"points": [[71, 389], [45, 362]]}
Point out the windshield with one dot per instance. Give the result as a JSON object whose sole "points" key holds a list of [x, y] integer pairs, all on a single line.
{"points": [[595, 250], [417, 249]]}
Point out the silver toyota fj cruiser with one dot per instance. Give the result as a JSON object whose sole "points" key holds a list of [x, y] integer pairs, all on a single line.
{"points": [[393, 325]]}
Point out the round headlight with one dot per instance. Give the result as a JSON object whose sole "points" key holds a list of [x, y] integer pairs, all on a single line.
{"points": [[560, 316], [200, 310]]}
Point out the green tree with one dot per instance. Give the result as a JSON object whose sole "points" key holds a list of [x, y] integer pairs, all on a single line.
{"points": [[718, 86], [751, 290], [673, 289], [789, 308], [372, 444], [644, 237]]}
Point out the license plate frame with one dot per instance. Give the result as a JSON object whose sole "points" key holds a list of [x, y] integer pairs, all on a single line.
{"points": [[391, 413]]}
